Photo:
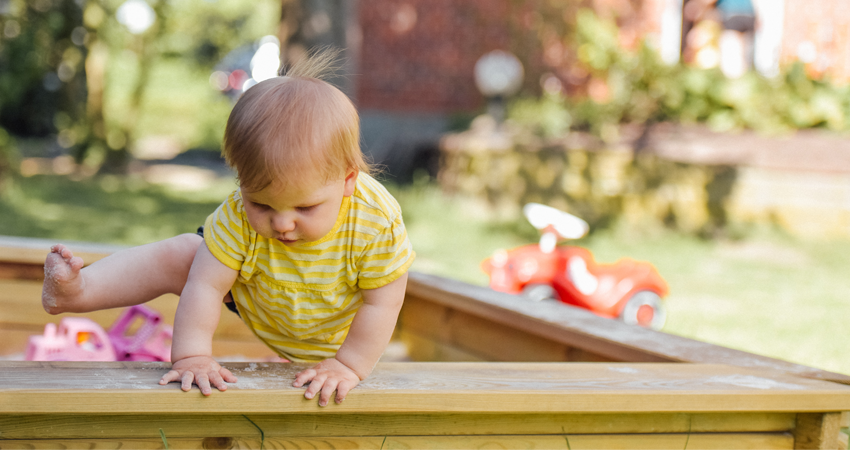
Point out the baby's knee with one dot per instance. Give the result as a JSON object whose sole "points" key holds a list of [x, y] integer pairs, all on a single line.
{"points": [[182, 248], [187, 243]]}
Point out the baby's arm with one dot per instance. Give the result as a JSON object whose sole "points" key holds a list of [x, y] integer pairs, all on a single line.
{"points": [[369, 335], [195, 322]]}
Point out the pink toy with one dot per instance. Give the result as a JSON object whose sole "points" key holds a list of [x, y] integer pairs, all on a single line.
{"points": [[81, 339], [151, 342], [78, 339]]}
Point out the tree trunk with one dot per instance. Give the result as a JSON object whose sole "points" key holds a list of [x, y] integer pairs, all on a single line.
{"points": [[307, 25]]}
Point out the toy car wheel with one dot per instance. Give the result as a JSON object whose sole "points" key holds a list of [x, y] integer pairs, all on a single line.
{"points": [[538, 292], [645, 309]]}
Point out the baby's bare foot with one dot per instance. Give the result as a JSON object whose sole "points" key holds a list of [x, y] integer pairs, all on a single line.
{"points": [[63, 284]]}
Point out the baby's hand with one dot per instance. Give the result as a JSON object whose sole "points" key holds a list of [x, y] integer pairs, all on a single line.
{"points": [[328, 376], [202, 370]]}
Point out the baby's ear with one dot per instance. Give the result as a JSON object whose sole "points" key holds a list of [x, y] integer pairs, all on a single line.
{"points": [[350, 181]]}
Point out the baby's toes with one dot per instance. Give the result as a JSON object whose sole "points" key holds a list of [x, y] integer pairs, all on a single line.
{"points": [[55, 267], [76, 263]]}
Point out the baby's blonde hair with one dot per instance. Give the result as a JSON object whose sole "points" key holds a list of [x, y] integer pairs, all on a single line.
{"points": [[294, 129]]}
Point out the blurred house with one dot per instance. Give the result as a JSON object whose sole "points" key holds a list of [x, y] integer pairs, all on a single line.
{"points": [[410, 63], [410, 66], [414, 73], [816, 33]]}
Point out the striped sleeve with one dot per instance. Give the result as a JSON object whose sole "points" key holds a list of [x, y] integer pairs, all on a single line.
{"points": [[387, 256], [227, 233]]}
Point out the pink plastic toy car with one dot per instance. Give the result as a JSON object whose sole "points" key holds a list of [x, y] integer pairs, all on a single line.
{"points": [[81, 339], [150, 342], [78, 339]]}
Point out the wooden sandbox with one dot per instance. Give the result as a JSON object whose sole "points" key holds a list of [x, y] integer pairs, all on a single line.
{"points": [[489, 371]]}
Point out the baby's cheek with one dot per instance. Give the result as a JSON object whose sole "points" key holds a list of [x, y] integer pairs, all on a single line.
{"points": [[257, 223]]}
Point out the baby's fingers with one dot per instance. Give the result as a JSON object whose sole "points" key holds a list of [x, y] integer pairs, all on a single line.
{"points": [[227, 375], [327, 391], [172, 375], [304, 377], [343, 388], [217, 381], [203, 382], [315, 386], [186, 381]]}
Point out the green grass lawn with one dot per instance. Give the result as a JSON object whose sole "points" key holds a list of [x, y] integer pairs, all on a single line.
{"points": [[767, 294]]}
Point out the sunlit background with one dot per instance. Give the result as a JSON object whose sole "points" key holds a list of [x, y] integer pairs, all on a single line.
{"points": [[707, 137]]}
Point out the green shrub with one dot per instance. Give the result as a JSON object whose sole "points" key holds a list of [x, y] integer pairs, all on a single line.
{"points": [[641, 89]]}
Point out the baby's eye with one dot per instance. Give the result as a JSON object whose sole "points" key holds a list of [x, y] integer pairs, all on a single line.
{"points": [[260, 206], [306, 208]]}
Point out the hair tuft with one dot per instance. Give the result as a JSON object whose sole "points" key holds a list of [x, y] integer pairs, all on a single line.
{"points": [[322, 65]]}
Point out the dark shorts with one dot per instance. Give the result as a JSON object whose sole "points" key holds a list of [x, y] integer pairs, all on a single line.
{"points": [[231, 305], [744, 23]]}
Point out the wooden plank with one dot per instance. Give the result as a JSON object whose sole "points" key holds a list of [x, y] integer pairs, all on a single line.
{"points": [[683, 441], [424, 348], [580, 442], [105, 444], [34, 251], [584, 330], [23, 316], [13, 344], [818, 431], [127, 388], [19, 271], [420, 348], [21, 300], [585, 336], [111, 426], [198, 443], [475, 335], [13, 339]]}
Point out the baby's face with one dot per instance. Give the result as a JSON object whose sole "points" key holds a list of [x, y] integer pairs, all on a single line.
{"points": [[295, 215]]}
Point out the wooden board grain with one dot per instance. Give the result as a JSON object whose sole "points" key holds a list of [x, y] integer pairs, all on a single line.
{"points": [[460, 319], [22, 316], [69, 426], [127, 388], [20, 271], [817, 430], [756, 403], [717, 441], [580, 442], [474, 335], [13, 344], [583, 330], [34, 251]]}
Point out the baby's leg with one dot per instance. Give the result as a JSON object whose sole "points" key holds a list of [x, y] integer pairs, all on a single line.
{"points": [[125, 278]]}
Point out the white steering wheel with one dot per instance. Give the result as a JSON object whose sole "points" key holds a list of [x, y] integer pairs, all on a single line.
{"points": [[566, 225]]}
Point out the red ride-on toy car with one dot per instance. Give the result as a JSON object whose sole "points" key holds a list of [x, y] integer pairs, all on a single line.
{"points": [[627, 290]]}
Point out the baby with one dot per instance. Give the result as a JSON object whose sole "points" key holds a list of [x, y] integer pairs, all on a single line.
{"points": [[310, 250]]}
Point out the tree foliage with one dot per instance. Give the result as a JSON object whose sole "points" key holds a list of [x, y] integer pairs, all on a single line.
{"points": [[71, 71], [635, 86]]}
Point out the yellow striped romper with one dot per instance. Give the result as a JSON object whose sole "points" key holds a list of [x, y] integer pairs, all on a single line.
{"points": [[301, 301]]}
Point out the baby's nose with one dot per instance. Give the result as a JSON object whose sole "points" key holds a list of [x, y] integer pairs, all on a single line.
{"points": [[283, 223]]}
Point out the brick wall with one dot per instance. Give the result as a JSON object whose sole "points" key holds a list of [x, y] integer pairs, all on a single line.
{"points": [[419, 54]]}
